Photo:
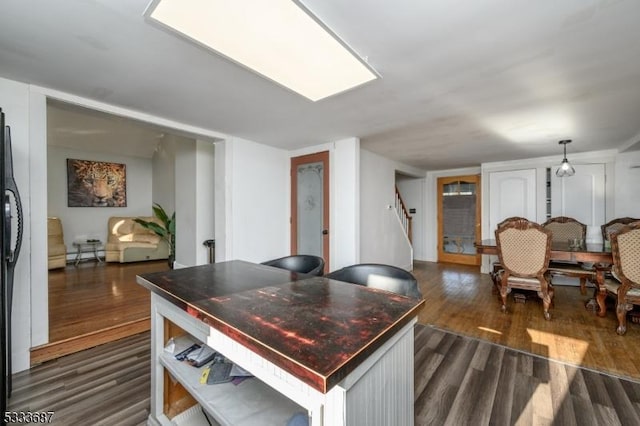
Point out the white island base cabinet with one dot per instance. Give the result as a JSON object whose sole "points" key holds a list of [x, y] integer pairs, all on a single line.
{"points": [[379, 391]]}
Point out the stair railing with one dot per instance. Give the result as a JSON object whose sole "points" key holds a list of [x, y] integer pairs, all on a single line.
{"points": [[403, 214]]}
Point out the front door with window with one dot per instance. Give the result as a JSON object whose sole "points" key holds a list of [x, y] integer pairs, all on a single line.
{"points": [[458, 219]]}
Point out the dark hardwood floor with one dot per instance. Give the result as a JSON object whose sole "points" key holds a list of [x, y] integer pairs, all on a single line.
{"points": [[95, 303], [92, 299], [460, 299], [459, 380]]}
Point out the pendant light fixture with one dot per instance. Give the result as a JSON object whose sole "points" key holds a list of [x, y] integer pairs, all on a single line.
{"points": [[565, 169]]}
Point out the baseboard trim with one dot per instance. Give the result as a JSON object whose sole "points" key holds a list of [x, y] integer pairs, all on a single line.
{"points": [[53, 350]]}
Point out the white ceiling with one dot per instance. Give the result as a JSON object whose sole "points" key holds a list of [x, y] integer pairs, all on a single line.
{"points": [[79, 128], [463, 82]]}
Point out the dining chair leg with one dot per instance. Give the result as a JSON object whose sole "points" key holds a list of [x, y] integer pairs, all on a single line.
{"points": [[583, 285], [546, 293], [546, 303], [621, 312], [546, 313], [503, 297], [495, 278]]}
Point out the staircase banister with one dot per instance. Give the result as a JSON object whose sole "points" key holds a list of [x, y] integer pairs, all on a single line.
{"points": [[404, 208]]}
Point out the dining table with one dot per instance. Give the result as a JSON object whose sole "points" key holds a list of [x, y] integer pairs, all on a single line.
{"points": [[597, 254]]}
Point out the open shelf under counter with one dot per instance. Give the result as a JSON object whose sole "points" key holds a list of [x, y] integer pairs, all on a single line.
{"points": [[246, 403]]}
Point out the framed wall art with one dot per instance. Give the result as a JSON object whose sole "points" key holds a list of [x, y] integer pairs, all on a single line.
{"points": [[96, 184]]}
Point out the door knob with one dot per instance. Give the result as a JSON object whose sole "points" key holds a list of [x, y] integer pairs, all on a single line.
{"points": [[325, 232]]}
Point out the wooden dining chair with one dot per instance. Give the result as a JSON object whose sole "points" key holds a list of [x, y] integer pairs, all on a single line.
{"points": [[524, 248], [624, 284], [563, 229], [615, 225], [497, 266]]}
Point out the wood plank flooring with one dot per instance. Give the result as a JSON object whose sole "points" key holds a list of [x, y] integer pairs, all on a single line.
{"points": [[460, 299], [458, 380], [94, 296], [105, 385], [465, 381], [95, 303]]}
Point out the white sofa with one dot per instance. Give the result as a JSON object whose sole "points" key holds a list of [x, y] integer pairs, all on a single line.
{"points": [[129, 241]]}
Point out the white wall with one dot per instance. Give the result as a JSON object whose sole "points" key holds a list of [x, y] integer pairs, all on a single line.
{"points": [[186, 204], [345, 176], [14, 101], [164, 174], [412, 192], [91, 222], [344, 196], [379, 242], [256, 216], [222, 192], [626, 198], [187, 165], [37, 228], [205, 202]]}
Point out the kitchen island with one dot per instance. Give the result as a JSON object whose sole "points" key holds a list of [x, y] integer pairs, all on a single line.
{"points": [[340, 353]]}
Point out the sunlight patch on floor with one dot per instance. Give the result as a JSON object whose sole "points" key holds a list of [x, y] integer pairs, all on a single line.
{"points": [[490, 330], [565, 348], [539, 408], [540, 405]]}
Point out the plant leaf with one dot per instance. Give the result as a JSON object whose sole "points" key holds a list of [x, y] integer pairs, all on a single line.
{"points": [[160, 213], [159, 230], [172, 224]]}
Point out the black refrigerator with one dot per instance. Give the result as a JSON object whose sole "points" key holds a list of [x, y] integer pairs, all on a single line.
{"points": [[10, 242]]}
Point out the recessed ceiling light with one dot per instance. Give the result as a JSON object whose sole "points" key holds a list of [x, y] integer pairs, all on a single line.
{"points": [[279, 39]]}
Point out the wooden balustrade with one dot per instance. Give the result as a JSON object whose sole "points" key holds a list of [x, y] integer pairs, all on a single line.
{"points": [[403, 213]]}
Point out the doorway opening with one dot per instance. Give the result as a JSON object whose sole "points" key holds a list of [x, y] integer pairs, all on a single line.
{"points": [[77, 290]]}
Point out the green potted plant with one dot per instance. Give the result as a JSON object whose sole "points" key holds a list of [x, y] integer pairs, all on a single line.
{"points": [[166, 231]]}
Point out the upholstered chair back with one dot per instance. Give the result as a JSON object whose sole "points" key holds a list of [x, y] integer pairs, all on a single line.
{"points": [[626, 252], [523, 247], [614, 226], [564, 228]]}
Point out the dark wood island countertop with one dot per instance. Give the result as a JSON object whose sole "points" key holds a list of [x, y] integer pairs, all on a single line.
{"points": [[317, 329]]}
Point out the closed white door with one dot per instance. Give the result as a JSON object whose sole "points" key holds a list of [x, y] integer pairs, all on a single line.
{"points": [[582, 197], [511, 193]]}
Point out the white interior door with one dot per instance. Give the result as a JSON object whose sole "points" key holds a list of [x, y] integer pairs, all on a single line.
{"points": [[511, 193], [582, 197]]}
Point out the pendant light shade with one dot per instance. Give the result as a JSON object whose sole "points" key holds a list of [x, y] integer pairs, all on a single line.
{"points": [[565, 169]]}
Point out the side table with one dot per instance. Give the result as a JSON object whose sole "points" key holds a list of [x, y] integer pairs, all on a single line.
{"points": [[88, 246]]}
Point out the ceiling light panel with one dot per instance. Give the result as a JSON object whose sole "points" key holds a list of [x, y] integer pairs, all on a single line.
{"points": [[278, 39]]}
